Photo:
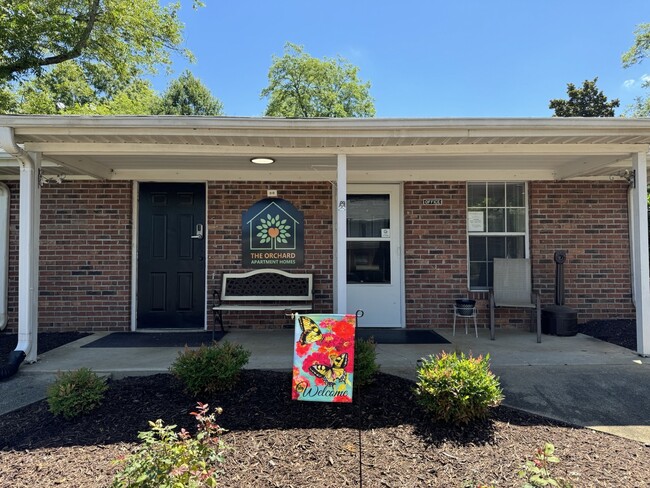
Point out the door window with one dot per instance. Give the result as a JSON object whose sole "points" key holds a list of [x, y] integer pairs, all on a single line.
{"points": [[368, 246]]}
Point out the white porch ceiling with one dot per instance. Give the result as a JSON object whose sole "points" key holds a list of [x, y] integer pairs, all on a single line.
{"points": [[219, 148]]}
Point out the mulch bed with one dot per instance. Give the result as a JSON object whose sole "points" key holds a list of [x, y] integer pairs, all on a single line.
{"points": [[277, 442], [620, 332], [46, 341]]}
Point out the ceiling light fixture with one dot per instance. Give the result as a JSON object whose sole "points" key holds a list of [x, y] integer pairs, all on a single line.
{"points": [[262, 160]]}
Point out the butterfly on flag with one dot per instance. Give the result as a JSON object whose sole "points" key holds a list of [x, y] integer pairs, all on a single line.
{"points": [[310, 331], [332, 373]]}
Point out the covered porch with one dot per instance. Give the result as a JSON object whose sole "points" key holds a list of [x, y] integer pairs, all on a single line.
{"points": [[420, 156]]}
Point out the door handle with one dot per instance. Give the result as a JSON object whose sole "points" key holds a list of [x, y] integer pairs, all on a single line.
{"points": [[199, 232]]}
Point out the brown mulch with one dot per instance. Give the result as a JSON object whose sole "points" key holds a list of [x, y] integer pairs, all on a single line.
{"points": [[277, 442]]}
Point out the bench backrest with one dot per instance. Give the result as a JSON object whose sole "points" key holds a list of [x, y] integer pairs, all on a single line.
{"points": [[266, 285]]}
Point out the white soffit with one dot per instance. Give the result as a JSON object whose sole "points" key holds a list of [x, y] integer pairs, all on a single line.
{"points": [[174, 148]]}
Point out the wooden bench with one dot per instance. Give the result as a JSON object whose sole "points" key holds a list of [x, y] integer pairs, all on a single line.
{"points": [[262, 289]]}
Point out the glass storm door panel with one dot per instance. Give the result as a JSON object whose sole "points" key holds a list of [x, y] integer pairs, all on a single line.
{"points": [[171, 255], [374, 264]]}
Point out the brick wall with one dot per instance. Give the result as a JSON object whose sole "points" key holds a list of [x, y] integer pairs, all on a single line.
{"points": [[85, 257], [227, 201], [435, 250], [86, 250], [589, 220]]}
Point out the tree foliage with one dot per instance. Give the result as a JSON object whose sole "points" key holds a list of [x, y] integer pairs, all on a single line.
{"points": [[587, 101], [118, 34], [66, 89], [635, 55], [188, 96], [85, 56], [641, 48], [303, 86]]}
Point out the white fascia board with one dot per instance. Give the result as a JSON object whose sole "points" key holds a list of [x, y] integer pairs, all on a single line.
{"points": [[348, 127]]}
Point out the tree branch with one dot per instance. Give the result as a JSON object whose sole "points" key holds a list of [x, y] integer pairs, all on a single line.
{"points": [[25, 64]]}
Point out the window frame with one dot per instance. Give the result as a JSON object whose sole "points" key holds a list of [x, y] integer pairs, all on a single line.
{"points": [[468, 234]]}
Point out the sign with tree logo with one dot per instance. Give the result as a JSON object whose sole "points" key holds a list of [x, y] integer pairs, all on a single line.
{"points": [[273, 235]]}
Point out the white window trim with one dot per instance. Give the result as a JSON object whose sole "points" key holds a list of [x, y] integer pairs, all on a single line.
{"points": [[488, 234]]}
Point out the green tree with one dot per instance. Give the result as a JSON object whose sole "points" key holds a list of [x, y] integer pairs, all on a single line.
{"points": [[635, 55], [188, 96], [66, 89], [587, 101], [120, 34], [303, 86], [641, 48]]}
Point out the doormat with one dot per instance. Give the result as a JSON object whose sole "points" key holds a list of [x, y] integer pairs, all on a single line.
{"points": [[401, 336], [156, 339]]}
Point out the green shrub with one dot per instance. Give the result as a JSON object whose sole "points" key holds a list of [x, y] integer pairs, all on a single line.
{"points": [[365, 362], [170, 459], [210, 368], [456, 388], [76, 393]]}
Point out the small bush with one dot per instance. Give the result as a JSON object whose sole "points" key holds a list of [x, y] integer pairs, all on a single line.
{"points": [[76, 393], [537, 473], [210, 368], [365, 362], [456, 388], [170, 459]]}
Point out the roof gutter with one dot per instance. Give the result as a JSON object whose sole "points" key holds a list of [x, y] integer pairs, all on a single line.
{"points": [[27, 240]]}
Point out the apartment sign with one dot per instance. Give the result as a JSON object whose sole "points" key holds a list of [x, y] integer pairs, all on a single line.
{"points": [[273, 235]]}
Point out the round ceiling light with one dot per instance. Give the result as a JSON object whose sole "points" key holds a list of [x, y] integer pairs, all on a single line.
{"points": [[262, 160]]}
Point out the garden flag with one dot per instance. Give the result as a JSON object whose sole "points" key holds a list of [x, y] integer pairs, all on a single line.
{"points": [[323, 358]]}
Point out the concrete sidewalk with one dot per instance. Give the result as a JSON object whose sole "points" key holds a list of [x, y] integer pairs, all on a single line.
{"points": [[578, 379]]}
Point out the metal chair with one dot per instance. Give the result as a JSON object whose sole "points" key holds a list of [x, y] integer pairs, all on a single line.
{"points": [[512, 288], [461, 311]]}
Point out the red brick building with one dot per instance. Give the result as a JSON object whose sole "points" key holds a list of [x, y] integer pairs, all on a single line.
{"points": [[401, 217]]}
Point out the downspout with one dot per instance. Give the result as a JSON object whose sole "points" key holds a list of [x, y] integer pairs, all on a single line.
{"points": [[632, 237], [4, 253], [27, 313]]}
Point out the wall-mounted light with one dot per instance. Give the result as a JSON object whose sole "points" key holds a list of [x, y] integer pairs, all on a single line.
{"points": [[262, 160]]}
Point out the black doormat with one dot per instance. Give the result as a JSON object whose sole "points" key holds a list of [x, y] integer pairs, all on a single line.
{"points": [[401, 336], [156, 339]]}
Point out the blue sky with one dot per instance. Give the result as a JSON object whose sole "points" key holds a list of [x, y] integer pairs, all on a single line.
{"points": [[452, 58]]}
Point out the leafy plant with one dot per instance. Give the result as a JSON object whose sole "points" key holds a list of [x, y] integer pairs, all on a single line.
{"points": [[457, 388], [538, 471], [210, 368], [76, 393], [169, 459], [365, 362]]}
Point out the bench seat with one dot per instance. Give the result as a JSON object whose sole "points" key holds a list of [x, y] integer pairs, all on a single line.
{"points": [[262, 289]]}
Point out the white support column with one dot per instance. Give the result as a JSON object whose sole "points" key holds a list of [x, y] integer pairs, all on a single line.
{"points": [[640, 253], [28, 252], [340, 241]]}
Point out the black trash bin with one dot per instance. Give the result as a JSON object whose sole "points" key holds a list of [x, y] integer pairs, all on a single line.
{"points": [[559, 320]]}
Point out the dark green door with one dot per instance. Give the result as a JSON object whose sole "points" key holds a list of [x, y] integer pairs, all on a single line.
{"points": [[171, 255]]}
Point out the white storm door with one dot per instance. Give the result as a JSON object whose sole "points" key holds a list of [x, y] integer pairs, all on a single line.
{"points": [[374, 261]]}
